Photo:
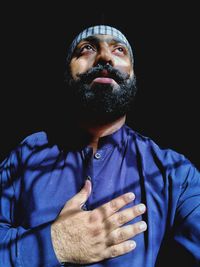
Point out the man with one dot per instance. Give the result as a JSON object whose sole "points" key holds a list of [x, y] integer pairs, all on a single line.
{"points": [[107, 196]]}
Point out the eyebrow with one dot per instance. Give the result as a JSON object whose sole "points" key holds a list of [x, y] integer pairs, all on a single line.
{"points": [[96, 40]]}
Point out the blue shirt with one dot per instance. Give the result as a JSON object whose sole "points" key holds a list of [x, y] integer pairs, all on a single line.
{"points": [[38, 178]]}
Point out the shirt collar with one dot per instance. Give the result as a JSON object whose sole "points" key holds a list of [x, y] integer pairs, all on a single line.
{"points": [[118, 138]]}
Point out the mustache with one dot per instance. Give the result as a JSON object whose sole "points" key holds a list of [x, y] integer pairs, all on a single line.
{"points": [[96, 71]]}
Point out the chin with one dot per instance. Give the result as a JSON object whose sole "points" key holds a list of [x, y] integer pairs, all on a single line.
{"points": [[109, 87]]}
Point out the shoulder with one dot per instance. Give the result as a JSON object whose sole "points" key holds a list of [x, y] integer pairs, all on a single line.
{"points": [[37, 147], [14, 160], [30, 145], [33, 143], [146, 144], [35, 139], [153, 156]]}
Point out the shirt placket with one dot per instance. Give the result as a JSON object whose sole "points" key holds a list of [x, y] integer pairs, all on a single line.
{"points": [[88, 171]]}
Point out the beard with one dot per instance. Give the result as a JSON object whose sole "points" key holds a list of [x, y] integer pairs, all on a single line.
{"points": [[100, 103]]}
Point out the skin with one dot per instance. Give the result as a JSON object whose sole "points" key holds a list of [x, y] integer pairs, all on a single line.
{"points": [[101, 49], [101, 233]]}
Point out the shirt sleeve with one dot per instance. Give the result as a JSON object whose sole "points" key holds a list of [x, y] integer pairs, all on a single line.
{"points": [[187, 219], [20, 247]]}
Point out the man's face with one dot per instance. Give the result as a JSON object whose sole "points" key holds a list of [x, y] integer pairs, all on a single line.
{"points": [[101, 49], [102, 78]]}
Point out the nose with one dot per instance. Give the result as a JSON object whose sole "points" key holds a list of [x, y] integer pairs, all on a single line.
{"points": [[104, 57]]}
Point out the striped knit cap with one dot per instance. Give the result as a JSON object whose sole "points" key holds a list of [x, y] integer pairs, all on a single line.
{"points": [[97, 30]]}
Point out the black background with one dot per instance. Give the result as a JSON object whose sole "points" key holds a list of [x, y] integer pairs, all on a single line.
{"points": [[165, 39]]}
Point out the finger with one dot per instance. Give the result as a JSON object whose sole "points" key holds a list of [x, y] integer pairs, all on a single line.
{"points": [[120, 218], [80, 198], [120, 249], [127, 232], [114, 205]]}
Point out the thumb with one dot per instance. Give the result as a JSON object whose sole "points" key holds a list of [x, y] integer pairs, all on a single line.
{"points": [[80, 198]]}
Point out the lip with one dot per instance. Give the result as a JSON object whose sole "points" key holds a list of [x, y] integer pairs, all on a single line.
{"points": [[104, 80]]}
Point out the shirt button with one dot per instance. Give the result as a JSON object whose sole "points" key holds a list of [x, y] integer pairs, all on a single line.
{"points": [[97, 155]]}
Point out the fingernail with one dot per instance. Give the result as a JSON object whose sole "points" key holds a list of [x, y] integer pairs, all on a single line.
{"points": [[141, 208], [132, 244], [142, 226], [130, 196]]}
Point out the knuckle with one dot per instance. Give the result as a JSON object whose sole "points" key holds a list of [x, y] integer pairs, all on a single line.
{"points": [[139, 227], [121, 219], [121, 236], [94, 216], [97, 230], [112, 223], [114, 252], [136, 211], [113, 205], [135, 230]]}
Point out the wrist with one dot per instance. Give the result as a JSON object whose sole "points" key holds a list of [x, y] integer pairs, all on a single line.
{"points": [[58, 247]]}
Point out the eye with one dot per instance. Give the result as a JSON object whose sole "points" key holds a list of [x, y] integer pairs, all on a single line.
{"points": [[86, 48], [120, 50]]}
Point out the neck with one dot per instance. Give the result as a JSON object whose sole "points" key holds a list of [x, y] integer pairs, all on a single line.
{"points": [[98, 131]]}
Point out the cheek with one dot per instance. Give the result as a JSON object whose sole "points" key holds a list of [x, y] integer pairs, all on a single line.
{"points": [[123, 65], [79, 66]]}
